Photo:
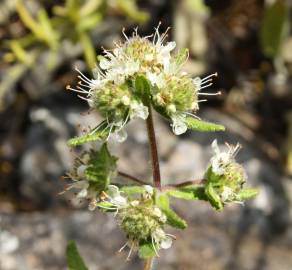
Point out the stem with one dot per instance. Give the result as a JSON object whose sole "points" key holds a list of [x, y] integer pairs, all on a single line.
{"points": [[130, 177], [148, 264], [186, 183], [153, 150]]}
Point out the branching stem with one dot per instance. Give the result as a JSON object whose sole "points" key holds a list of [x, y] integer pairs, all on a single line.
{"points": [[153, 150], [132, 178]]}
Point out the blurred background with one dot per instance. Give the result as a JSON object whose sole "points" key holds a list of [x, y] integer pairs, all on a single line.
{"points": [[249, 44]]}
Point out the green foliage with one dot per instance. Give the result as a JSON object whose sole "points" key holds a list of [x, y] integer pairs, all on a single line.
{"points": [[74, 260], [146, 250], [131, 190], [213, 197], [142, 87], [98, 134], [199, 125], [172, 218], [192, 192], [247, 194], [101, 167], [273, 27]]}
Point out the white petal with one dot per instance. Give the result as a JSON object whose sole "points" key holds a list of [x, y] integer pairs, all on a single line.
{"points": [[113, 191], [82, 194], [149, 189], [166, 243], [179, 128], [120, 136]]}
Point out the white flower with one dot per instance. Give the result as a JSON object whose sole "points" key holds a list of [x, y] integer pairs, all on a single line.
{"points": [[138, 110], [221, 159], [156, 79], [161, 238], [149, 189], [115, 197], [178, 124]]}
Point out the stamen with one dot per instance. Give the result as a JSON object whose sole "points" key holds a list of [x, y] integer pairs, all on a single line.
{"points": [[193, 115], [209, 76], [205, 86], [124, 34], [123, 247], [68, 87], [130, 252], [210, 94], [86, 80], [86, 99], [202, 100]]}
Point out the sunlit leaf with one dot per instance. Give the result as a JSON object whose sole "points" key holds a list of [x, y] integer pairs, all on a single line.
{"points": [[200, 125], [74, 260]]}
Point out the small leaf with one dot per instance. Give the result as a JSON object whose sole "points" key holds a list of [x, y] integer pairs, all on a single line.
{"points": [[142, 86], [99, 134], [101, 167], [146, 250], [131, 190], [213, 197], [199, 125], [246, 194], [189, 193], [106, 207], [172, 218], [74, 260]]}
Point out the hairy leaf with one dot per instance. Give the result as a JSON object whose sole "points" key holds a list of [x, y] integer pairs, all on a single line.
{"points": [[213, 197], [101, 167], [246, 194], [74, 260], [130, 190], [99, 134], [188, 193], [199, 125], [172, 218]]}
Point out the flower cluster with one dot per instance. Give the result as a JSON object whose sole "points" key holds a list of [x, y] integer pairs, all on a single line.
{"points": [[91, 175], [225, 177], [140, 219], [112, 92]]}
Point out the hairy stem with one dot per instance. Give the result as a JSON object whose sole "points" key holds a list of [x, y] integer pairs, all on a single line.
{"points": [[153, 150], [148, 264]]}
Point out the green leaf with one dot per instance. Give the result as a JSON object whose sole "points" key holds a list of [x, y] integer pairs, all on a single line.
{"points": [[213, 197], [99, 134], [106, 207], [142, 86], [246, 194], [74, 260], [182, 56], [273, 27], [199, 125], [131, 190], [146, 250], [189, 193], [172, 218], [101, 167]]}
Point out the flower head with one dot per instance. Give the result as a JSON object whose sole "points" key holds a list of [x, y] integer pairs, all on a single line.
{"points": [[112, 91], [140, 219], [225, 177]]}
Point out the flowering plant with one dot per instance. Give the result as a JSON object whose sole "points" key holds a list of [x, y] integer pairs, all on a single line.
{"points": [[130, 81]]}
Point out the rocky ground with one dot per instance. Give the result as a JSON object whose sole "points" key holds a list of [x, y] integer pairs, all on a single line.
{"points": [[254, 237]]}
